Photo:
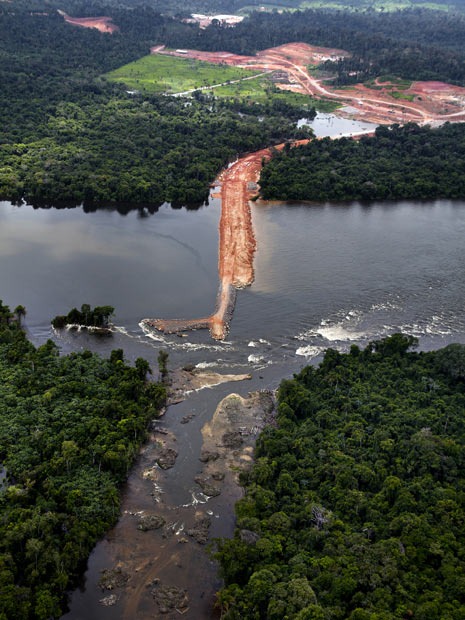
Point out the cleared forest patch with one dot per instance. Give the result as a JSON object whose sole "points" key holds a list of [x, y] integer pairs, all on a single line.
{"points": [[104, 24], [175, 73]]}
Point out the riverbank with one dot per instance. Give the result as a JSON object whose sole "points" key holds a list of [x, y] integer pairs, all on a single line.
{"points": [[237, 185], [154, 562]]}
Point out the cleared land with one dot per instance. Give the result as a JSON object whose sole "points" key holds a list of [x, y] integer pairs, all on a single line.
{"points": [[104, 24], [176, 74], [393, 101], [431, 102]]}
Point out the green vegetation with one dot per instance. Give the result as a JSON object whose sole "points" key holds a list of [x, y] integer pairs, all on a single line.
{"points": [[355, 506], [70, 135], [256, 89], [414, 44], [70, 429], [376, 5], [398, 162], [400, 95], [87, 316], [261, 90], [157, 73], [388, 82], [393, 85], [171, 74]]}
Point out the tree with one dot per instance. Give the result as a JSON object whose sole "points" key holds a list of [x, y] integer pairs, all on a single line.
{"points": [[162, 364], [142, 367], [20, 312]]}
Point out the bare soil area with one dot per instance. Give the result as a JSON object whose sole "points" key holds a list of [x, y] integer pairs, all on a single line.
{"points": [[104, 24], [423, 102]]}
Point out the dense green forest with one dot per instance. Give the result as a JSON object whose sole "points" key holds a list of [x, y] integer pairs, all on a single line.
{"points": [[413, 44], [396, 163], [70, 428], [355, 506], [68, 134]]}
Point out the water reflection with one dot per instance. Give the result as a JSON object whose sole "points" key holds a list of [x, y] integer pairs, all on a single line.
{"points": [[56, 259]]}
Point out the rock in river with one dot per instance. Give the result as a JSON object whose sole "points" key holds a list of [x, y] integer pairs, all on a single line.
{"points": [[167, 458], [150, 522], [169, 598]]}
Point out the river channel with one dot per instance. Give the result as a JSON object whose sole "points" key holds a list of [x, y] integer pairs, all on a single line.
{"points": [[325, 275]]}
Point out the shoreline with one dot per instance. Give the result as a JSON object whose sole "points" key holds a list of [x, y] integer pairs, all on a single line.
{"points": [[238, 182], [179, 497]]}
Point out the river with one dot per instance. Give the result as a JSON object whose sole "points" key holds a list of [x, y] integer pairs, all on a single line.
{"points": [[325, 275]]}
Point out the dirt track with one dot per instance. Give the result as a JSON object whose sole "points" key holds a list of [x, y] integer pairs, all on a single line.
{"points": [[432, 102], [236, 247]]}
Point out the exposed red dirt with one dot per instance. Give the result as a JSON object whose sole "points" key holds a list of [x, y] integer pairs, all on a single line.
{"points": [[434, 87], [104, 24], [236, 247], [304, 54], [431, 102], [216, 58]]}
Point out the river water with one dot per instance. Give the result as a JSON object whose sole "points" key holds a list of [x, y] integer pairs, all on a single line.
{"points": [[325, 275]]}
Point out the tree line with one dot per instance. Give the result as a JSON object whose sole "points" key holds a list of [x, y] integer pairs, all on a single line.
{"points": [[416, 44], [86, 316], [355, 506], [70, 135], [70, 429], [408, 162]]}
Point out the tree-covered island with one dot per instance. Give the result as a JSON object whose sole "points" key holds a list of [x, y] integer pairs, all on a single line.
{"points": [[98, 317]]}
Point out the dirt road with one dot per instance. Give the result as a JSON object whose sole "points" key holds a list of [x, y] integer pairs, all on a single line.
{"points": [[104, 24], [418, 103], [432, 103], [236, 247]]}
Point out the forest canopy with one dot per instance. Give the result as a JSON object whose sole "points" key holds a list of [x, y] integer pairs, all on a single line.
{"points": [[70, 429], [398, 162], [355, 506], [70, 134]]}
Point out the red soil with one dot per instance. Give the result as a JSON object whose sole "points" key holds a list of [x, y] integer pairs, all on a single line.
{"points": [[236, 247], [104, 24], [304, 54], [434, 87], [216, 58], [433, 101]]}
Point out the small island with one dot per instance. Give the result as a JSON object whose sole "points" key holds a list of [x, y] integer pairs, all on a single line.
{"points": [[97, 318]]}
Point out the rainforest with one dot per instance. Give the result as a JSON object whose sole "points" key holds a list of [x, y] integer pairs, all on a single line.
{"points": [[139, 152]]}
